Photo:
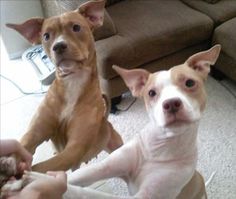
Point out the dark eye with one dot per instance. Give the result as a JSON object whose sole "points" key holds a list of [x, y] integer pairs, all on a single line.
{"points": [[189, 83], [152, 93], [46, 36], [76, 28]]}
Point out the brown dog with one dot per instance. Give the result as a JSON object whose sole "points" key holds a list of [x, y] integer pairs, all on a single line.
{"points": [[73, 114]]}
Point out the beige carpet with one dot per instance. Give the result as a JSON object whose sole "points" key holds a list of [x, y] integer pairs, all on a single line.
{"points": [[217, 139]]}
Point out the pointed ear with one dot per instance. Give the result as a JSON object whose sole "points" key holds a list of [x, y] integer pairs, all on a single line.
{"points": [[31, 29], [202, 61], [93, 11], [135, 79]]}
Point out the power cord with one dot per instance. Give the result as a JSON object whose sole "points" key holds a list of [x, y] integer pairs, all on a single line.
{"points": [[20, 89], [126, 109], [116, 110]]}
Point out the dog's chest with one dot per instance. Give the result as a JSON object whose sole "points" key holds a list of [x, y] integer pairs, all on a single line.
{"points": [[74, 88]]}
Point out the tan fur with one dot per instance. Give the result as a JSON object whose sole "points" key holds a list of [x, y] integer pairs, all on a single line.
{"points": [[73, 113], [182, 73], [195, 189]]}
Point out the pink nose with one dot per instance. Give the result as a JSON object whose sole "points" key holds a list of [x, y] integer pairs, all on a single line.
{"points": [[172, 105]]}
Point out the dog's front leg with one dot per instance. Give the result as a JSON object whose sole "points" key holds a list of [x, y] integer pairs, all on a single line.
{"points": [[80, 137], [62, 161], [118, 164], [115, 140], [42, 125], [88, 193]]}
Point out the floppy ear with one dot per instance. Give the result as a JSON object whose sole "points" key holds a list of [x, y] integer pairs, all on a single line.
{"points": [[202, 61], [31, 29], [135, 79], [93, 11]]}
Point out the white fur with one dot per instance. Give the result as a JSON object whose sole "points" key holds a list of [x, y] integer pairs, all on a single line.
{"points": [[191, 108], [74, 84], [58, 39]]}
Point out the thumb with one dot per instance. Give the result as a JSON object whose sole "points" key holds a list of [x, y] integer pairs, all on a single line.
{"points": [[60, 175], [12, 196]]}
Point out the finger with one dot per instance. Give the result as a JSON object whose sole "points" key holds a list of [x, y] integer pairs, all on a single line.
{"points": [[25, 155], [35, 175], [12, 195], [28, 177], [23, 166], [7, 147], [52, 173]]}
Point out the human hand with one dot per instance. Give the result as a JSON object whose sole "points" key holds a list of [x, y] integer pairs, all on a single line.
{"points": [[10, 147], [50, 188]]}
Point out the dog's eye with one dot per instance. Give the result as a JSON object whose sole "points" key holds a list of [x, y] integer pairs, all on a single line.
{"points": [[76, 28], [189, 83], [152, 93], [46, 36]]}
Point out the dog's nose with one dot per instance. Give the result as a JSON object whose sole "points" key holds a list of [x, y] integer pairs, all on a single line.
{"points": [[60, 47], [172, 105]]}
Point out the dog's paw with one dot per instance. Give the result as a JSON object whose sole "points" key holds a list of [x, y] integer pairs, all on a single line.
{"points": [[11, 186], [17, 185], [8, 168]]}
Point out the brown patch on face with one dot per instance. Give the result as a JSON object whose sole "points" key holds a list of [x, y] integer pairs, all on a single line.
{"points": [[190, 83], [79, 41]]}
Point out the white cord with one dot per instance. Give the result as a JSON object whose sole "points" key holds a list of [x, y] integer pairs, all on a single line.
{"points": [[210, 179]]}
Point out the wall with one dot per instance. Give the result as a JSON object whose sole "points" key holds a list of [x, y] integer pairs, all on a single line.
{"points": [[17, 11]]}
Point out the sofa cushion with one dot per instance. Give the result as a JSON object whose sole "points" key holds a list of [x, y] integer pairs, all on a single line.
{"points": [[225, 35], [111, 2], [211, 1], [148, 30], [54, 7], [219, 12]]}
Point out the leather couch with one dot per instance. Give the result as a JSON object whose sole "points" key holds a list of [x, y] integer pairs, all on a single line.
{"points": [[157, 34]]}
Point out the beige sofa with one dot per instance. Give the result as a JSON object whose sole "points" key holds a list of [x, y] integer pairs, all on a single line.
{"points": [[157, 34]]}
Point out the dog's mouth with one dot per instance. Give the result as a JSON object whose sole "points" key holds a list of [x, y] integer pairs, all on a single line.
{"points": [[177, 119], [176, 122], [67, 67]]}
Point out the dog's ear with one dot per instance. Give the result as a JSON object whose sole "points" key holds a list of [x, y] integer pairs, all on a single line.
{"points": [[31, 29], [93, 11], [135, 79], [202, 61]]}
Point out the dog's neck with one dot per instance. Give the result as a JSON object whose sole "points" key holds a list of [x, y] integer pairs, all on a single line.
{"points": [[170, 143], [78, 85], [84, 76]]}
